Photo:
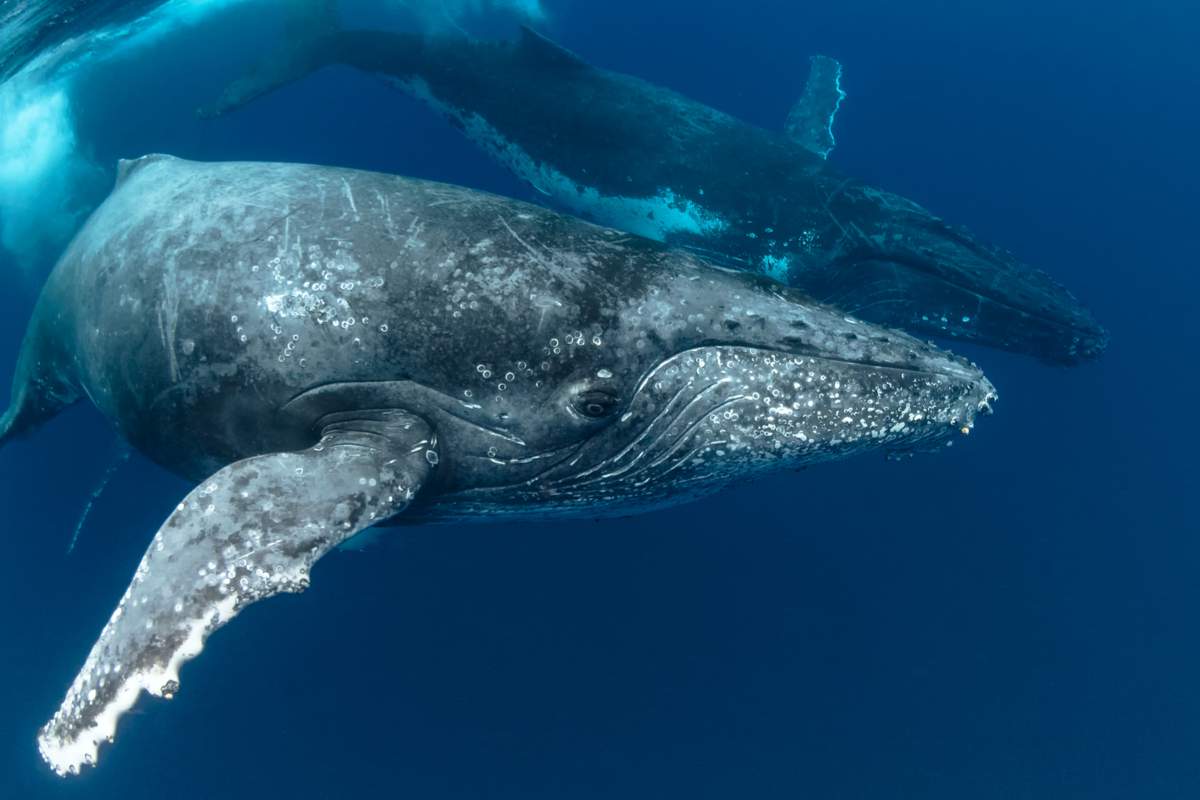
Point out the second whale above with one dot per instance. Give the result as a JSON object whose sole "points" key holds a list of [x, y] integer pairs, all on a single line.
{"points": [[626, 153]]}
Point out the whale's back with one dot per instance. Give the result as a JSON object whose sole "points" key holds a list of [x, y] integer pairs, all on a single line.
{"points": [[204, 297]]}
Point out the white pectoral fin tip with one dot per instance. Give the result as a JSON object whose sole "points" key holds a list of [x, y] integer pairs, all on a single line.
{"points": [[219, 552], [104, 691]]}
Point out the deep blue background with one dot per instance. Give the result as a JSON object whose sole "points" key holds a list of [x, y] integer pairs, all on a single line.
{"points": [[1015, 618]]}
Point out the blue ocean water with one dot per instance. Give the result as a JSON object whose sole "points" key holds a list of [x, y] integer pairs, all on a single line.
{"points": [[1011, 618]]}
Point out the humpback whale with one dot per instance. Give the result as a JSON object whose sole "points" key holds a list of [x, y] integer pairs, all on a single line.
{"points": [[323, 350], [639, 157]]}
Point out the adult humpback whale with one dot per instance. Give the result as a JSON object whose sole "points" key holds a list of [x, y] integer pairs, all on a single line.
{"points": [[325, 350], [647, 160]]}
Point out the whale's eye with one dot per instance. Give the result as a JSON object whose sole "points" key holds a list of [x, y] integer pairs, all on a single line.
{"points": [[596, 403]]}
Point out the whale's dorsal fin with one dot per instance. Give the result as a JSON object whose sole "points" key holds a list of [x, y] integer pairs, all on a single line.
{"points": [[250, 531], [543, 50], [810, 123], [128, 166]]}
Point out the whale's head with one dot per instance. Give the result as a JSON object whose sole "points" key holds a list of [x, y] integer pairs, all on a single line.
{"points": [[685, 378], [896, 263]]}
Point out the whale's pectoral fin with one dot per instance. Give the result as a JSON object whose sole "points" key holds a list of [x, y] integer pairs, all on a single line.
{"points": [[810, 123], [251, 531], [310, 31], [286, 65]]}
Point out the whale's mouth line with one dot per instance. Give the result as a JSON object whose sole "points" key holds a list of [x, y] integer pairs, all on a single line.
{"points": [[864, 363]]}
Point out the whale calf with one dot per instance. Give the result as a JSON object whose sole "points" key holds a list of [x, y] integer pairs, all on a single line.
{"points": [[642, 158], [323, 350]]}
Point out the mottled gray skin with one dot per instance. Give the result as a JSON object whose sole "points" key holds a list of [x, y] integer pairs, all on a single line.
{"points": [[328, 349], [642, 158]]}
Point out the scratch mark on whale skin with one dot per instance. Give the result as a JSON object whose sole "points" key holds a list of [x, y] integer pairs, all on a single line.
{"points": [[350, 198], [168, 317]]}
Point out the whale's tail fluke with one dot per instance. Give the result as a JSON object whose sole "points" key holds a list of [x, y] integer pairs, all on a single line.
{"points": [[34, 403], [44, 383]]}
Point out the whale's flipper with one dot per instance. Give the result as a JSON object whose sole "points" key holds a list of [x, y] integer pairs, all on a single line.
{"points": [[310, 40], [810, 123], [251, 531], [7, 425]]}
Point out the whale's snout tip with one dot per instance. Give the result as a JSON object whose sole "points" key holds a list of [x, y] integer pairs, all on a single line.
{"points": [[978, 400], [984, 398]]}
